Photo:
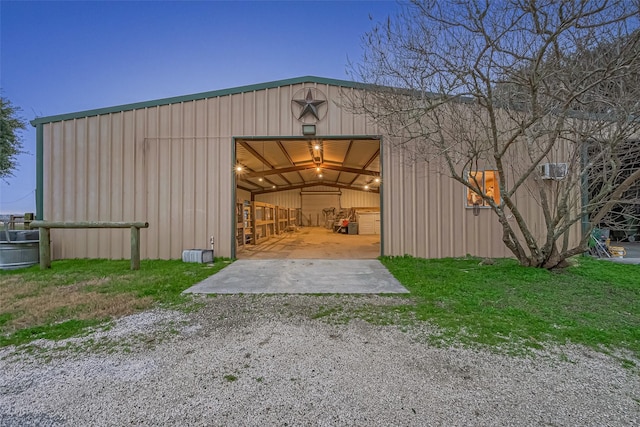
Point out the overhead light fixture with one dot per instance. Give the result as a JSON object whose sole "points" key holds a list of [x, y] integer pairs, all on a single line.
{"points": [[319, 175], [377, 180], [318, 169], [316, 152], [308, 129], [260, 179], [239, 168], [273, 186], [366, 187]]}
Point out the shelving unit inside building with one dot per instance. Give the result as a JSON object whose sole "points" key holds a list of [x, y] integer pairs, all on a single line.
{"points": [[282, 221], [264, 221], [244, 225], [256, 222], [294, 217]]}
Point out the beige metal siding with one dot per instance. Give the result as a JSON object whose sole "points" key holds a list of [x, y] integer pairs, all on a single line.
{"points": [[171, 182], [288, 199], [425, 214], [348, 199], [172, 165], [359, 199], [313, 204]]}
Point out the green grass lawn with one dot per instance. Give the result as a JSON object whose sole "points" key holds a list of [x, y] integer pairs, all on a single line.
{"points": [[594, 303], [75, 294]]}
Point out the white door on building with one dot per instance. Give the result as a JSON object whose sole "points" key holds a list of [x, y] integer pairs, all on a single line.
{"points": [[369, 223]]}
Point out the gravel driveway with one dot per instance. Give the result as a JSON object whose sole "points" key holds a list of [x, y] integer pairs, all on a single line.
{"points": [[263, 360]]}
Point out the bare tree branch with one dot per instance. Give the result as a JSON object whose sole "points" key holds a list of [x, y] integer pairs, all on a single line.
{"points": [[510, 86]]}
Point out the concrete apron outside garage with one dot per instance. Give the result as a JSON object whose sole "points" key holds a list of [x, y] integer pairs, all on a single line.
{"points": [[307, 261], [301, 276]]}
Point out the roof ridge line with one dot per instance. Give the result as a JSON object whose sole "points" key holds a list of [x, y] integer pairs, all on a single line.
{"points": [[195, 97]]}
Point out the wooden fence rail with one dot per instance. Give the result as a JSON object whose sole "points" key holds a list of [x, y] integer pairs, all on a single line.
{"points": [[45, 237]]}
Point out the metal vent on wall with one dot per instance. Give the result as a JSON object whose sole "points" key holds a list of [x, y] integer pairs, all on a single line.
{"points": [[554, 170]]}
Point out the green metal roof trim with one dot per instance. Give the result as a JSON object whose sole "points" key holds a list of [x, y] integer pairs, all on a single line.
{"points": [[197, 96]]}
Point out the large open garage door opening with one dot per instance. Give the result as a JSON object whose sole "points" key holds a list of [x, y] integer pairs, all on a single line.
{"points": [[316, 198]]}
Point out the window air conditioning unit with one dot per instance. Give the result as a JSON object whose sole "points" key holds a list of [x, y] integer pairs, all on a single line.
{"points": [[554, 170]]}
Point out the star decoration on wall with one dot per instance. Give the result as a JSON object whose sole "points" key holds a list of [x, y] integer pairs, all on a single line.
{"points": [[309, 105]]}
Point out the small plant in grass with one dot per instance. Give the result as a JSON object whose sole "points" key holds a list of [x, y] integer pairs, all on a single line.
{"points": [[230, 378], [629, 364]]}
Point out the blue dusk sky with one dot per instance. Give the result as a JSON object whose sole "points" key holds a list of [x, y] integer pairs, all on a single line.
{"points": [[62, 57]]}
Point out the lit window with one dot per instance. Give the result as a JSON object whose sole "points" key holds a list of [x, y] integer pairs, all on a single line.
{"points": [[487, 182]]}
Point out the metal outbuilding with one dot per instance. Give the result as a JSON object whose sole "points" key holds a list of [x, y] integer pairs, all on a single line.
{"points": [[176, 163]]}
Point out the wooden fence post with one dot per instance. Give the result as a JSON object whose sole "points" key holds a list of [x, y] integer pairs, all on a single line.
{"points": [[45, 249], [135, 248], [45, 240]]}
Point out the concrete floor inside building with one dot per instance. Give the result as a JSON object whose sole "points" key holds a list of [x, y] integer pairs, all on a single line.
{"points": [[321, 243], [314, 243]]}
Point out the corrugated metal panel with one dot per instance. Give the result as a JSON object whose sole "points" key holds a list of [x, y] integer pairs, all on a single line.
{"points": [[425, 214], [203, 213], [348, 199], [314, 204], [321, 189], [359, 199], [180, 193], [267, 86], [289, 199], [172, 165]]}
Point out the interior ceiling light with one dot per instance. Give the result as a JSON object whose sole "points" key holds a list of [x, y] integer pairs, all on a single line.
{"points": [[260, 179], [316, 153], [319, 175], [273, 186], [366, 187], [318, 169], [377, 180], [239, 168]]}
